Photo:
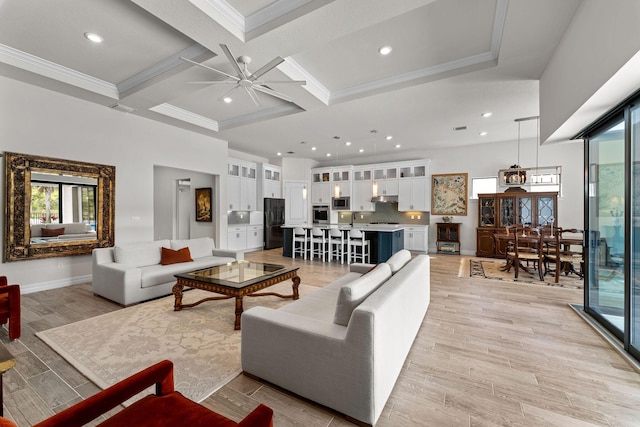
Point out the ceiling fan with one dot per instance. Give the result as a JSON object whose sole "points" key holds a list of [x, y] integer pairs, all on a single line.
{"points": [[246, 80]]}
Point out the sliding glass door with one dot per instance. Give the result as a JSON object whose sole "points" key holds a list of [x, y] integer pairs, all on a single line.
{"points": [[612, 219], [634, 192], [606, 227]]}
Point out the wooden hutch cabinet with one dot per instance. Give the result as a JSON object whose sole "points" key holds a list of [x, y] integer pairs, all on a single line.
{"points": [[499, 210]]}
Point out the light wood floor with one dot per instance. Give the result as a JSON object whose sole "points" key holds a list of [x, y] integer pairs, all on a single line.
{"points": [[488, 353]]}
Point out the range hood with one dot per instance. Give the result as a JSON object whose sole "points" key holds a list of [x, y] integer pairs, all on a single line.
{"points": [[384, 199]]}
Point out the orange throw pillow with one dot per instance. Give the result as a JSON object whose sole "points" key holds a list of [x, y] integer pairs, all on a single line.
{"points": [[169, 256], [52, 232]]}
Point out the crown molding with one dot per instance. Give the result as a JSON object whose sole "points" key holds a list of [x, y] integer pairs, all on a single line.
{"points": [[43, 67], [270, 113], [224, 14], [294, 71], [185, 116]]}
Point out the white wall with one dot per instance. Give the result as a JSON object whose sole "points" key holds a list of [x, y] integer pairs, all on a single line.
{"points": [[486, 159], [165, 203], [602, 37], [41, 122]]}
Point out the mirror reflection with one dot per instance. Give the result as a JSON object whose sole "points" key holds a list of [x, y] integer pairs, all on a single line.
{"points": [[56, 207], [63, 207]]}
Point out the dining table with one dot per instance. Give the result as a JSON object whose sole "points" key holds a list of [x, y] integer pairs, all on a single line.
{"points": [[549, 240]]}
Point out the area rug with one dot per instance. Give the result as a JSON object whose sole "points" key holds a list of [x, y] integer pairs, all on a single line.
{"points": [[200, 341], [493, 270]]}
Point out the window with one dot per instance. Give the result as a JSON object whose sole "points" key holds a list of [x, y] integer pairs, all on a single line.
{"points": [[483, 185]]}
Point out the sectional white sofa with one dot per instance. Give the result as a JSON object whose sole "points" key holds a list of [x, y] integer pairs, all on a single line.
{"points": [[71, 231], [132, 273], [344, 345]]}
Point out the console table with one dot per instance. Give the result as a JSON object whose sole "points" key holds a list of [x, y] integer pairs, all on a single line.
{"points": [[448, 237]]}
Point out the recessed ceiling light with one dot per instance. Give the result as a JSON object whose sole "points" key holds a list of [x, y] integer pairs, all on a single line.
{"points": [[483, 133], [227, 99], [398, 145], [313, 148], [279, 154], [389, 137], [328, 154], [385, 50], [361, 150], [347, 143], [96, 38], [487, 114]]}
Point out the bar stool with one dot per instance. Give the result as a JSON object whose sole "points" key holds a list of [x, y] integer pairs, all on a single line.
{"points": [[357, 240], [319, 244], [336, 243], [299, 237]]}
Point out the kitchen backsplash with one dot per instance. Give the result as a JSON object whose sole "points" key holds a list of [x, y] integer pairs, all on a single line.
{"points": [[385, 212]]}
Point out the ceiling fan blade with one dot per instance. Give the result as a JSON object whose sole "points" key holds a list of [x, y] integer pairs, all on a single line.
{"points": [[213, 82], [280, 82], [233, 61], [254, 96], [212, 69], [272, 93], [267, 67], [228, 93]]}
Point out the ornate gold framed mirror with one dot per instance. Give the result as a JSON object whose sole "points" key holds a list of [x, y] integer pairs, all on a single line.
{"points": [[56, 207]]}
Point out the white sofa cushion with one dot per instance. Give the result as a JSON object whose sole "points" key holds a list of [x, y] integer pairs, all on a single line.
{"points": [[71, 228], [398, 260], [140, 254], [352, 294], [200, 247]]}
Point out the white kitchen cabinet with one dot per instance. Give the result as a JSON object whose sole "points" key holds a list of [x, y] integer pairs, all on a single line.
{"points": [[341, 182], [271, 184], [362, 190], [413, 194], [255, 236], [237, 237], [321, 186], [414, 189], [386, 180], [416, 238], [242, 185], [233, 187]]}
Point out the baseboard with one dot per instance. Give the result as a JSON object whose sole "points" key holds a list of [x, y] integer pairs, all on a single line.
{"points": [[55, 284], [608, 336]]}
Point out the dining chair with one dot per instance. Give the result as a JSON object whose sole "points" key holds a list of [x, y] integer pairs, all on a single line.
{"points": [[509, 251], [319, 244], [528, 247], [10, 307], [569, 252], [358, 247], [299, 242]]}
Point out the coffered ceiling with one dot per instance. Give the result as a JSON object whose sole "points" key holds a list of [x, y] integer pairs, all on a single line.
{"points": [[451, 61]]}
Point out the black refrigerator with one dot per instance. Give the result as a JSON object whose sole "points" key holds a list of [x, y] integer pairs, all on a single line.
{"points": [[273, 222]]}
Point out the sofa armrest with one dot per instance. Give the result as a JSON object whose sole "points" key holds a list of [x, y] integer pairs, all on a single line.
{"points": [[238, 255], [160, 374], [360, 267]]}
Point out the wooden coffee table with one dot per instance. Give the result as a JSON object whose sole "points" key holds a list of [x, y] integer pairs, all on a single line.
{"points": [[236, 280]]}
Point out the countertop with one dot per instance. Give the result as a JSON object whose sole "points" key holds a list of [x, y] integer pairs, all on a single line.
{"points": [[385, 228]]}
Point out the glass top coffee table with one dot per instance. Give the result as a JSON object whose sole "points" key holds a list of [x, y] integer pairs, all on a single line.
{"points": [[235, 280]]}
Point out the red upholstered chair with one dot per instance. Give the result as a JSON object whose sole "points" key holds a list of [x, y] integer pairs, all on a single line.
{"points": [[165, 408], [10, 307]]}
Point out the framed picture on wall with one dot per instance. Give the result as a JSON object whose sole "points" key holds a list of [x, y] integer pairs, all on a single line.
{"points": [[203, 205], [449, 194]]}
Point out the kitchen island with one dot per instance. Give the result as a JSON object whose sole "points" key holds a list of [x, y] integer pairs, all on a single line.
{"points": [[385, 239]]}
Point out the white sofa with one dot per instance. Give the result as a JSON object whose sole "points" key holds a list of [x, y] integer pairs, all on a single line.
{"points": [[346, 360], [132, 273], [72, 231]]}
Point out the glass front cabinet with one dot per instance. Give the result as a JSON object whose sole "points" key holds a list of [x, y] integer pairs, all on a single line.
{"points": [[499, 210]]}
